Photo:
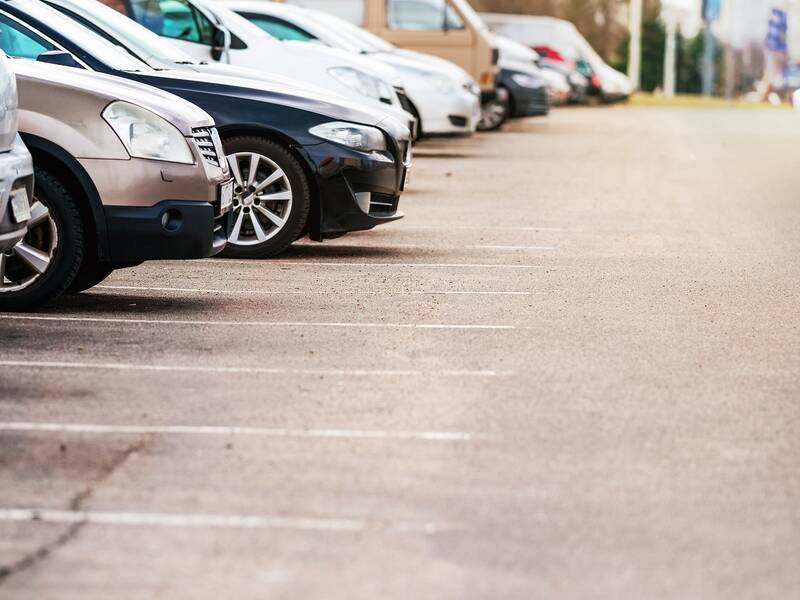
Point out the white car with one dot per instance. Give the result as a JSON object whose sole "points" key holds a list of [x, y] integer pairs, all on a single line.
{"points": [[212, 33], [444, 98]]}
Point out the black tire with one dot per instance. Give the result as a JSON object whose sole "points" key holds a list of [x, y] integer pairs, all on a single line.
{"points": [[296, 219], [67, 254], [502, 107], [89, 275]]}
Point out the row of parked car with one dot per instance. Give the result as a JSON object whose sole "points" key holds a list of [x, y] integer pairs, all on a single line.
{"points": [[177, 129]]}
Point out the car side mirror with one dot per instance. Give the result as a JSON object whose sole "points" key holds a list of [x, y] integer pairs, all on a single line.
{"points": [[220, 43], [58, 57]]}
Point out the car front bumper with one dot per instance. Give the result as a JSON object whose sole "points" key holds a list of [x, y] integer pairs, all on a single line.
{"points": [[172, 229], [446, 114], [357, 191], [158, 210], [526, 101], [16, 171]]}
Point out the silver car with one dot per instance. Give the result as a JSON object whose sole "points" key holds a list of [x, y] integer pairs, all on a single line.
{"points": [[16, 169]]}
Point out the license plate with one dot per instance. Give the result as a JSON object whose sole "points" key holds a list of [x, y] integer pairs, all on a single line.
{"points": [[226, 196], [20, 207]]}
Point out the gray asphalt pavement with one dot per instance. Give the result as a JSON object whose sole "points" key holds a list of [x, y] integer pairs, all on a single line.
{"points": [[573, 371]]}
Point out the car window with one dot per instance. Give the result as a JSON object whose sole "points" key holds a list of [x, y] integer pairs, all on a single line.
{"points": [[175, 19], [19, 42], [422, 15], [278, 28], [349, 10]]}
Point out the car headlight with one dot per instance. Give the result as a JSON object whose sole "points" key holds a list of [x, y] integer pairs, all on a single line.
{"points": [[442, 84], [146, 135], [352, 135], [363, 83], [527, 81]]}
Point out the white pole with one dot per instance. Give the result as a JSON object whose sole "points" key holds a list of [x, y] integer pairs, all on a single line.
{"points": [[635, 49], [669, 53]]}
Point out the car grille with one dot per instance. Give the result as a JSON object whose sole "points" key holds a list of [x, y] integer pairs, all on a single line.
{"points": [[209, 146]]}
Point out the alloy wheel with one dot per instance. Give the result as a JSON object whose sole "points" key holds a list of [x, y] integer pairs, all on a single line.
{"points": [[493, 114], [262, 198], [26, 262]]}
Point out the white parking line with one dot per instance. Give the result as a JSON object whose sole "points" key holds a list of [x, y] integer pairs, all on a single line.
{"points": [[482, 228], [511, 247], [308, 263], [136, 288], [62, 318], [35, 364], [430, 436], [221, 521]]}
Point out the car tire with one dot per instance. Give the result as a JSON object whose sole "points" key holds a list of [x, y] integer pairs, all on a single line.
{"points": [[265, 222], [45, 263], [89, 275], [495, 113]]}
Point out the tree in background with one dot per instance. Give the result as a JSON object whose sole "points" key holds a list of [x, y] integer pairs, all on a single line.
{"points": [[654, 38]]}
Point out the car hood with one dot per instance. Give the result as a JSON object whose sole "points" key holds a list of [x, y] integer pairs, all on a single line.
{"points": [[182, 114], [340, 57], [8, 105], [269, 80], [284, 93], [433, 62]]}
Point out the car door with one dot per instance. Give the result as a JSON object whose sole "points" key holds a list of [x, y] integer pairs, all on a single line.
{"points": [[179, 21]]}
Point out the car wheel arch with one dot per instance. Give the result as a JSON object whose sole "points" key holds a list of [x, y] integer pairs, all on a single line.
{"points": [[62, 165]]}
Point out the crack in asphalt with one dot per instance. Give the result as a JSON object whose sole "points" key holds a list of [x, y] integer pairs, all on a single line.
{"points": [[70, 533]]}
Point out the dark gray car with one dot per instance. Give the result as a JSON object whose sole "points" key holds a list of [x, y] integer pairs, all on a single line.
{"points": [[16, 169]]}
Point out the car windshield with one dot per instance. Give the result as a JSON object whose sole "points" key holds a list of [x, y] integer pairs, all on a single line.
{"points": [[126, 32], [93, 44]]}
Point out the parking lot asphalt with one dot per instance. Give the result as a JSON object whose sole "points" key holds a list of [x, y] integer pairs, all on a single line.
{"points": [[572, 371]]}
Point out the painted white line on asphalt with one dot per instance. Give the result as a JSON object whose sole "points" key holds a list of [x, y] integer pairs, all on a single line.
{"points": [[307, 263], [430, 436], [35, 364], [136, 288], [482, 228], [221, 521], [61, 318], [511, 247]]}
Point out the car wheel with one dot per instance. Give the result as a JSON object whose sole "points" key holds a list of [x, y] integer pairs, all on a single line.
{"points": [[44, 264], [89, 275], [494, 113], [271, 198]]}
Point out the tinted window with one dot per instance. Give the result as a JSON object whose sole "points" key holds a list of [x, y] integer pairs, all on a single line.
{"points": [[19, 42], [174, 19], [278, 28], [422, 15]]}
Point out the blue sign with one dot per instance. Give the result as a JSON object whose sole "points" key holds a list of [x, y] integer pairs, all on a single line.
{"points": [[778, 28], [711, 10]]}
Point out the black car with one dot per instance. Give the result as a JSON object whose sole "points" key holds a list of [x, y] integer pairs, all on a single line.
{"points": [[529, 95], [304, 163]]}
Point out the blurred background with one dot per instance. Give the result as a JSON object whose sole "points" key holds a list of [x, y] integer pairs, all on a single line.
{"points": [[748, 49]]}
